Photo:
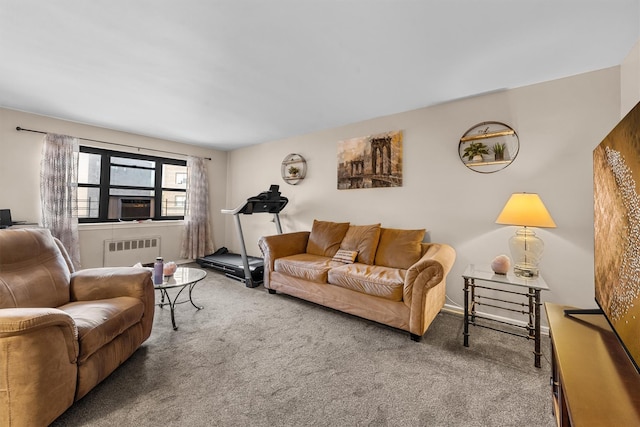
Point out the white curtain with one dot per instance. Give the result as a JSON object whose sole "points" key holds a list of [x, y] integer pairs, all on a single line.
{"points": [[58, 190], [197, 241]]}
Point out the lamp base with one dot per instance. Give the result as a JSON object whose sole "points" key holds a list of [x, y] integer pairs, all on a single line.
{"points": [[526, 250], [525, 270]]}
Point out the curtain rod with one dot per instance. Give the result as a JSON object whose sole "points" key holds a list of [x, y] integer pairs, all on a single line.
{"points": [[18, 128]]}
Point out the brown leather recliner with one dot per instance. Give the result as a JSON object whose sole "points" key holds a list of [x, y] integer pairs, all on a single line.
{"points": [[62, 332]]}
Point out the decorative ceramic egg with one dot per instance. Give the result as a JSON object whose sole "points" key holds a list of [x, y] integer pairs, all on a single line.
{"points": [[169, 268], [501, 264]]}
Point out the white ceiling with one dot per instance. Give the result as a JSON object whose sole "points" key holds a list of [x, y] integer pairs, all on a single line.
{"points": [[232, 73]]}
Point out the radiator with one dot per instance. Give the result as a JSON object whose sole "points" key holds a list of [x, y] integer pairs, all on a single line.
{"points": [[127, 252]]}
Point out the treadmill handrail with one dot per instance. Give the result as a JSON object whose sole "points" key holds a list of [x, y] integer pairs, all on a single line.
{"points": [[232, 211]]}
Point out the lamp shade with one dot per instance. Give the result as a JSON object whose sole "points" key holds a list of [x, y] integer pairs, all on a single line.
{"points": [[525, 210]]}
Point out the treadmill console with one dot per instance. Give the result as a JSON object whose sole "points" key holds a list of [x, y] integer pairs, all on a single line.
{"points": [[268, 202]]}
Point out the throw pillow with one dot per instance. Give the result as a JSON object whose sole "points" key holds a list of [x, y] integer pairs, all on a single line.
{"points": [[347, 257], [325, 237], [363, 239], [399, 248]]}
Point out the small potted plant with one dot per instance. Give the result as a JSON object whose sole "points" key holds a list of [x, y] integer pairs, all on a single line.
{"points": [[293, 171], [498, 150], [475, 150]]}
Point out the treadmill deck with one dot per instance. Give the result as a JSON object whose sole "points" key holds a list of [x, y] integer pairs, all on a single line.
{"points": [[231, 264]]}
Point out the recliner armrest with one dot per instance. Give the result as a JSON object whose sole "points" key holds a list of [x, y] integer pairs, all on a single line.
{"points": [[110, 282], [39, 352], [23, 321]]}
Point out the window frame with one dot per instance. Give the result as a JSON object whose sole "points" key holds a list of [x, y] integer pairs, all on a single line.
{"points": [[105, 186]]}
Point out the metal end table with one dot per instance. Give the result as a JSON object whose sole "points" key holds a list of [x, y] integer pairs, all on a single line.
{"points": [[527, 287]]}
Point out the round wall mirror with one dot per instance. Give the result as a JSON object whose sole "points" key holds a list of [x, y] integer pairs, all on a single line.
{"points": [[488, 147]]}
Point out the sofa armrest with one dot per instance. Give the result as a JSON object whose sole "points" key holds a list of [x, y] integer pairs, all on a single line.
{"points": [[110, 282], [429, 270], [423, 281], [282, 245], [279, 246]]}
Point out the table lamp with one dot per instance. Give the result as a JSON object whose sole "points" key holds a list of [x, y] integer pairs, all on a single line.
{"points": [[526, 210]]}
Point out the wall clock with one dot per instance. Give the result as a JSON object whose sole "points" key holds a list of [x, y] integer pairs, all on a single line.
{"points": [[488, 147]]}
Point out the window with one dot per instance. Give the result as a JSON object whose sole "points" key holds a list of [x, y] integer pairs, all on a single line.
{"points": [[115, 186]]}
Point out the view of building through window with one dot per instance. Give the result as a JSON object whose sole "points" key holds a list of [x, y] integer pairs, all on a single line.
{"points": [[88, 173], [174, 177]]}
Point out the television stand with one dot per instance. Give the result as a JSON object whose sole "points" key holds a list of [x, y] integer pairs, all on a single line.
{"points": [[593, 381]]}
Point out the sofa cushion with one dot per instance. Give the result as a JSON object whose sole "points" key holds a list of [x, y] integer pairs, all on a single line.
{"points": [[384, 282], [100, 321], [306, 266], [364, 239], [325, 237], [399, 248]]}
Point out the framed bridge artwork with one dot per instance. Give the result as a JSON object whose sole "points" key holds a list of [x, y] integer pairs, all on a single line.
{"points": [[370, 161]]}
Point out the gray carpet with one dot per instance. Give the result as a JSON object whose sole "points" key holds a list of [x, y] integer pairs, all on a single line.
{"points": [[254, 359]]}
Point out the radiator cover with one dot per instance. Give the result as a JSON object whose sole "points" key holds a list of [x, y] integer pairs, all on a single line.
{"points": [[127, 252]]}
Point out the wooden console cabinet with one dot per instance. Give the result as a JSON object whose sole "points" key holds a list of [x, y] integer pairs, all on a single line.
{"points": [[593, 381]]}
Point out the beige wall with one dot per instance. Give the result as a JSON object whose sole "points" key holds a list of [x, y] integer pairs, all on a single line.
{"points": [[558, 122], [20, 192], [630, 80]]}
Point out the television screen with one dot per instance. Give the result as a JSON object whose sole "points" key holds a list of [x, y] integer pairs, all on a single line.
{"points": [[616, 172]]}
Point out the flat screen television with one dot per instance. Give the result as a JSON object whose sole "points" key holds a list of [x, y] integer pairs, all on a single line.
{"points": [[616, 174]]}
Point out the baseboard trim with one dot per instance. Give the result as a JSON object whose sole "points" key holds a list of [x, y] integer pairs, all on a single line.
{"points": [[454, 309]]}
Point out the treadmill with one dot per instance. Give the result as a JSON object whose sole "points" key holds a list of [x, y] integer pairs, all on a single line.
{"points": [[246, 269]]}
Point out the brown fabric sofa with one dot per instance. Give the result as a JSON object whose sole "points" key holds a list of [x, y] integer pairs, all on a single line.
{"points": [[386, 275], [62, 332]]}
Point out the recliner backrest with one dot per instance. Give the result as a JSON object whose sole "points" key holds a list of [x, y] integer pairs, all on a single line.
{"points": [[33, 270]]}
